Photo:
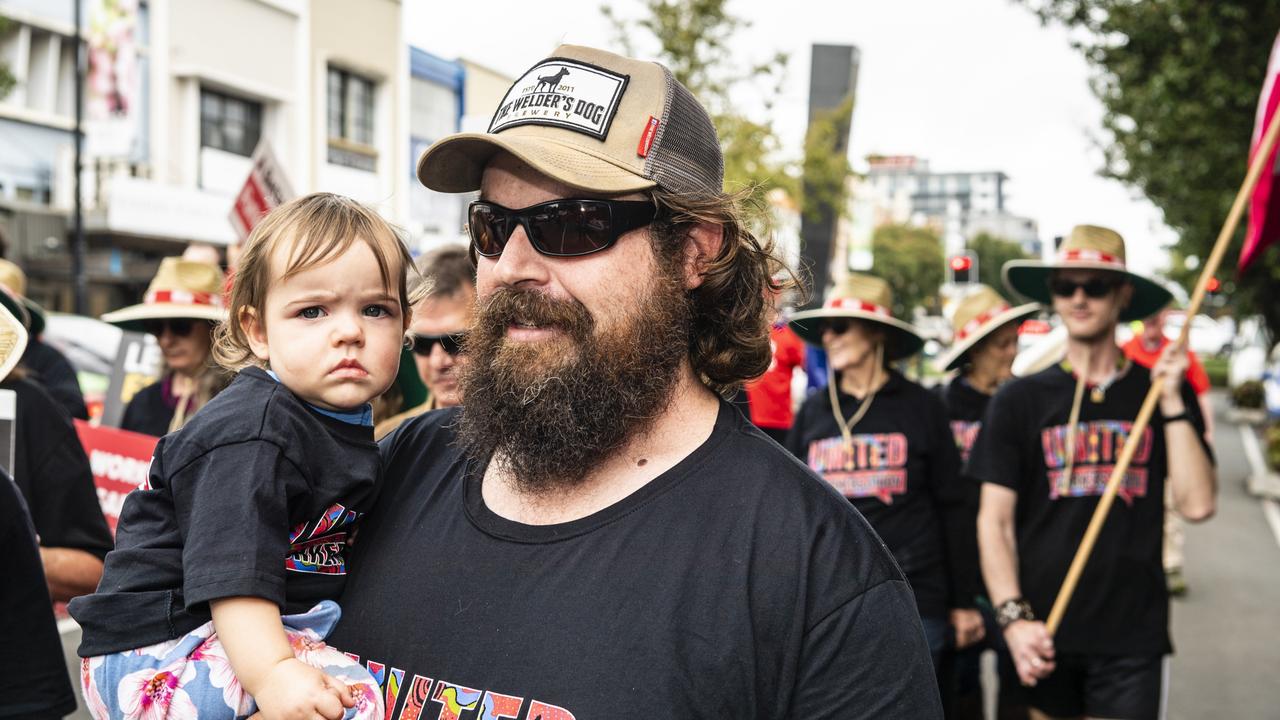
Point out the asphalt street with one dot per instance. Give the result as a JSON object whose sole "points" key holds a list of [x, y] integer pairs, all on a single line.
{"points": [[1226, 629]]}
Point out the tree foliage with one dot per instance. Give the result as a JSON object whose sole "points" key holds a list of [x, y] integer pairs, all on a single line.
{"points": [[993, 252], [1179, 82], [910, 260], [692, 38], [7, 80], [826, 169]]}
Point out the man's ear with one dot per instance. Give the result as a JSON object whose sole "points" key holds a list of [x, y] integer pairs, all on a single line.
{"points": [[255, 331], [700, 250]]}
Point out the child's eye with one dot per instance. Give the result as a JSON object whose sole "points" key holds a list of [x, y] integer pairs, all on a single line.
{"points": [[311, 313], [376, 311]]}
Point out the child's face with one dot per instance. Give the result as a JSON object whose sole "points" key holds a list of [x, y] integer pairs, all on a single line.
{"points": [[333, 333]]}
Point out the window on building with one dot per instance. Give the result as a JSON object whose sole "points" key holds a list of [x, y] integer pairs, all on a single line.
{"points": [[350, 120], [229, 123]]}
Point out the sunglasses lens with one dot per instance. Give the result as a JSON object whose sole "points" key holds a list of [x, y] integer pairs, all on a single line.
{"points": [[180, 327], [838, 326], [488, 230], [570, 228], [1096, 288], [451, 344], [1093, 288]]}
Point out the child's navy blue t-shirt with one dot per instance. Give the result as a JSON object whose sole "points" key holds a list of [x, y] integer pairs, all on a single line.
{"points": [[255, 496]]}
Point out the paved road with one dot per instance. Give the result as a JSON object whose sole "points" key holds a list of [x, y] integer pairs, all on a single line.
{"points": [[1226, 631]]}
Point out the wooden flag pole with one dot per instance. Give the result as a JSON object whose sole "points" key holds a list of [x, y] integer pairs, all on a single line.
{"points": [[1153, 395]]}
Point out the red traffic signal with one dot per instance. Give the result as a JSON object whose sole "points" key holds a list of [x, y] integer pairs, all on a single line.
{"points": [[1214, 285], [961, 263], [962, 269]]}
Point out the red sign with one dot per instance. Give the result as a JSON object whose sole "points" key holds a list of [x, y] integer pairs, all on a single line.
{"points": [[264, 190], [119, 460]]}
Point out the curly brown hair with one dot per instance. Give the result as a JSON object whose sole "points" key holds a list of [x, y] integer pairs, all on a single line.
{"points": [[731, 309]]}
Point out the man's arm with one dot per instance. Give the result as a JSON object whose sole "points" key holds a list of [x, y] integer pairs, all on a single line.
{"points": [[1029, 641], [1192, 477], [70, 572]]}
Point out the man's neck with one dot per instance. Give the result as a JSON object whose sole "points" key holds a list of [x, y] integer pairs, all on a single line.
{"points": [[984, 383], [1096, 357], [683, 425]]}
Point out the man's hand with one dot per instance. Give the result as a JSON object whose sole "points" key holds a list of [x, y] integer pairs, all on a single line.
{"points": [[1032, 649], [968, 625], [294, 690], [1172, 368]]}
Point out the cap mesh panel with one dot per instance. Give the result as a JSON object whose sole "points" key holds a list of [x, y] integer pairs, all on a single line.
{"points": [[686, 155]]}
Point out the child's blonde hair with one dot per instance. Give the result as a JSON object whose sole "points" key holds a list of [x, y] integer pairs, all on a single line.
{"points": [[319, 227]]}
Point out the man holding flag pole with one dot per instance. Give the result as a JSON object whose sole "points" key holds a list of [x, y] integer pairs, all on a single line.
{"points": [[1047, 446]]}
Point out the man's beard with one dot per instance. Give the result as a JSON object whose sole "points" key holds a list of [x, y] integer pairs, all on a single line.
{"points": [[551, 411]]}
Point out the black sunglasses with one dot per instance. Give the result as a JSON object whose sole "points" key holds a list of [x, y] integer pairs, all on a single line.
{"points": [[560, 228], [180, 327], [451, 344], [839, 326], [1093, 287]]}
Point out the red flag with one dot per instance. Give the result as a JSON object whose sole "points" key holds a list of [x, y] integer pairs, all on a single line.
{"points": [[1264, 205]]}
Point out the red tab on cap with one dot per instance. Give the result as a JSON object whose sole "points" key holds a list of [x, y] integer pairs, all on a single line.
{"points": [[646, 138]]}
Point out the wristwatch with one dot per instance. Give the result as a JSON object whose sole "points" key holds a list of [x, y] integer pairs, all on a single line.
{"points": [[1012, 610]]}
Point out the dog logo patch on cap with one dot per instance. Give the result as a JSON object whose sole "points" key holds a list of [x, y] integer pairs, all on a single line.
{"points": [[563, 93]]}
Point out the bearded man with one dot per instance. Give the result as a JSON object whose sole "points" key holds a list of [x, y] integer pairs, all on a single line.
{"points": [[595, 533]]}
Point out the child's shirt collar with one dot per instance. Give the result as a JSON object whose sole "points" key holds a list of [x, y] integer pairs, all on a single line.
{"points": [[362, 415]]}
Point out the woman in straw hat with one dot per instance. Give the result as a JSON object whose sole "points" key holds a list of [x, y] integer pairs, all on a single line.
{"points": [[51, 470], [984, 344], [181, 307], [1048, 445], [883, 442]]}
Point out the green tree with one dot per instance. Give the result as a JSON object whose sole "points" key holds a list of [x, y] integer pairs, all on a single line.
{"points": [[7, 80], [1179, 82], [993, 252], [910, 260], [826, 169], [692, 38]]}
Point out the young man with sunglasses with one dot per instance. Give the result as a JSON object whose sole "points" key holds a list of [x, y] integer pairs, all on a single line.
{"points": [[594, 532], [1047, 447]]}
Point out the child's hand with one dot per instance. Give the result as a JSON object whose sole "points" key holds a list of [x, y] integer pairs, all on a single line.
{"points": [[293, 690]]}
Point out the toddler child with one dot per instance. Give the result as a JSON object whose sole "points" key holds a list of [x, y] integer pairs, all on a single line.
{"points": [[247, 510]]}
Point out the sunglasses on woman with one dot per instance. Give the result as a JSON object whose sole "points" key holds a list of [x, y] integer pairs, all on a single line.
{"points": [[560, 228], [1095, 288], [180, 327], [451, 344]]}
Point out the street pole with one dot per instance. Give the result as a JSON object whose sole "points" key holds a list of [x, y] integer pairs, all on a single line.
{"points": [[79, 284]]}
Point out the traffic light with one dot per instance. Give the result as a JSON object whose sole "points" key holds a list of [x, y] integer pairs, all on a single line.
{"points": [[962, 269], [1213, 286]]}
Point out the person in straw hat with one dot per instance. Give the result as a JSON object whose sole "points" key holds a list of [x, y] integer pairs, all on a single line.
{"points": [[47, 366], [624, 542], [182, 305], [51, 470], [984, 344], [883, 442], [1046, 449]]}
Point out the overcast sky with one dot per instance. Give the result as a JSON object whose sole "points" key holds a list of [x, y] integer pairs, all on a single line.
{"points": [[966, 84]]}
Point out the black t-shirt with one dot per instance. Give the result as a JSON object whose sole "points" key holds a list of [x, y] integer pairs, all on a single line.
{"points": [[254, 497], [965, 408], [147, 412], [734, 585], [33, 675], [1120, 606], [55, 373], [53, 473], [902, 474]]}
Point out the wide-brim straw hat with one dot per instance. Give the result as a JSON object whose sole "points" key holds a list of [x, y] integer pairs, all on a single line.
{"points": [[1088, 247], [13, 335], [180, 289], [980, 313], [866, 298], [12, 278]]}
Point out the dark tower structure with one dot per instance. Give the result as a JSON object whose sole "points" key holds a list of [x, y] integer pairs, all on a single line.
{"points": [[833, 77]]}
